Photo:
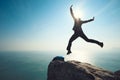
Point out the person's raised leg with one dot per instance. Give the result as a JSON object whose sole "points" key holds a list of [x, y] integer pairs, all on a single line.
{"points": [[73, 37], [91, 40]]}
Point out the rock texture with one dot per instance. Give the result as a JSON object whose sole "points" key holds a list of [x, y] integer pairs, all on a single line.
{"points": [[117, 75], [58, 69]]}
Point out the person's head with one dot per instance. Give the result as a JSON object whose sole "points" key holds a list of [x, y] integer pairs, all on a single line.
{"points": [[78, 19]]}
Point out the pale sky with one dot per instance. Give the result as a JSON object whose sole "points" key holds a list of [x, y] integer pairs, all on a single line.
{"points": [[46, 25]]}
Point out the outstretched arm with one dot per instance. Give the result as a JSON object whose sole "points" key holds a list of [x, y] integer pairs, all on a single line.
{"points": [[88, 20], [71, 11]]}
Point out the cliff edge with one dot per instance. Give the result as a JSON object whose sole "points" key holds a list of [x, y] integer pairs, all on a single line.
{"points": [[58, 69]]}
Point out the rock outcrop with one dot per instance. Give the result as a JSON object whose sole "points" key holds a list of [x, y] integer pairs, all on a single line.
{"points": [[58, 69]]}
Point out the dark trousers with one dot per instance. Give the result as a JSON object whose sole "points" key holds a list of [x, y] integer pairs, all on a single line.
{"points": [[82, 35]]}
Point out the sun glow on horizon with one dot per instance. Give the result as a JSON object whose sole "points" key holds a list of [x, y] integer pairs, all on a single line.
{"points": [[82, 57]]}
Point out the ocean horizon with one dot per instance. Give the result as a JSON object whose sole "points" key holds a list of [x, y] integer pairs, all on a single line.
{"points": [[33, 65]]}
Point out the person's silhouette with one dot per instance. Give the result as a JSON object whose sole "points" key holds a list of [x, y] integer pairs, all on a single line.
{"points": [[78, 32]]}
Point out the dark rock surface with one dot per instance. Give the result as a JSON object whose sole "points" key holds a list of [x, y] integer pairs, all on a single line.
{"points": [[117, 75], [58, 69], [60, 58]]}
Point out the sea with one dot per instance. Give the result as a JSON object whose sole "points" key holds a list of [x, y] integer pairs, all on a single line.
{"points": [[33, 65]]}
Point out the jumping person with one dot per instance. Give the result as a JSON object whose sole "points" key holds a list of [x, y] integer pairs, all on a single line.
{"points": [[78, 32]]}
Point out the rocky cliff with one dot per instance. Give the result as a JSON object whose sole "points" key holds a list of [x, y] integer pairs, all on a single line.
{"points": [[58, 69]]}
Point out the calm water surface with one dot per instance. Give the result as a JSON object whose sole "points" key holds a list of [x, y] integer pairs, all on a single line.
{"points": [[33, 65]]}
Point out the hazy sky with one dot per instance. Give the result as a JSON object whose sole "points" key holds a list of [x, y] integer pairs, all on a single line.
{"points": [[46, 25]]}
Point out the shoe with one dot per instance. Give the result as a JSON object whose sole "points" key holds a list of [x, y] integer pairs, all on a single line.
{"points": [[68, 52], [101, 44]]}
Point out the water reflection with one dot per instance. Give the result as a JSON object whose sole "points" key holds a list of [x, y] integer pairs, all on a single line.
{"points": [[82, 57]]}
